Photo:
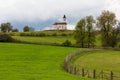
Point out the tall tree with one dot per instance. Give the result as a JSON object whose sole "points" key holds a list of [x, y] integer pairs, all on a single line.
{"points": [[84, 33], [106, 21], [115, 37], [79, 33], [6, 27], [90, 36]]}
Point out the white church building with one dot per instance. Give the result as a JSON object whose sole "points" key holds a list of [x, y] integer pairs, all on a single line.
{"points": [[60, 25]]}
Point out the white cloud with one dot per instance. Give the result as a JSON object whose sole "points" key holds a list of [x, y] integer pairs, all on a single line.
{"points": [[32, 10], [43, 9]]}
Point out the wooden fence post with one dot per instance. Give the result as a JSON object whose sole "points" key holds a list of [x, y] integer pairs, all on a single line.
{"points": [[111, 75], [83, 72], [102, 76], [88, 74], [75, 70], [94, 73]]}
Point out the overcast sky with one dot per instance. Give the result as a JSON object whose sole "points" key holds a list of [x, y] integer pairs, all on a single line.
{"points": [[41, 14]]}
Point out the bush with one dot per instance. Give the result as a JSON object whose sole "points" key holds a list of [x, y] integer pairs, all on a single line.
{"points": [[63, 34], [67, 43], [41, 34], [6, 38], [54, 34]]}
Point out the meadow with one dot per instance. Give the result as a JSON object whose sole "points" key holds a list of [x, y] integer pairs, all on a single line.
{"points": [[53, 39], [106, 60], [34, 62], [47, 39]]}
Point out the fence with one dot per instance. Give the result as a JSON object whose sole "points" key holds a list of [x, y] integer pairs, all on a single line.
{"points": [[99, 75]]}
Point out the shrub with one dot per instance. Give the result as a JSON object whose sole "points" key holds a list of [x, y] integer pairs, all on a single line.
{"points": [[63, 34], [42, 34], [5, 38], [67, 43], [54, 34]]}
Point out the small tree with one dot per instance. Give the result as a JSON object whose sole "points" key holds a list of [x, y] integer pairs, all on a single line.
{"points": [[5, 38], [26, 29], [67, 43], [15, 30], [6, 27]]}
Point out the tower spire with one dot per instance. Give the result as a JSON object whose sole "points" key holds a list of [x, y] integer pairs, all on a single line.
{"points": [[64, 18]]}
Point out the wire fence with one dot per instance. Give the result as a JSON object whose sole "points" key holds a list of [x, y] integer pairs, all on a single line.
{"points": [[99, 75]]}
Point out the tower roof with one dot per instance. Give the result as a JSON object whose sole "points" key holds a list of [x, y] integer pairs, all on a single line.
{"points": [[64, 16]]}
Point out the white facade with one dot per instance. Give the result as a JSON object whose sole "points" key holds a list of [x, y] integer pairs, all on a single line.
{"points": [[60, 25]]}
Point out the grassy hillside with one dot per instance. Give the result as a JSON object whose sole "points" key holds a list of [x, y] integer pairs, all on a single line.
{"points": [[33, 62], [43, 33], [48, 39], [106, 60]]}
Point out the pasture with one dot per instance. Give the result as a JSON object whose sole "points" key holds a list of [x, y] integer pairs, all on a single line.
{"points": [[47, 39], [106, 60], [34, 62]]}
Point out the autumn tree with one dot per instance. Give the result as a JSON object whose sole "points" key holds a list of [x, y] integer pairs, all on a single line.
{"points": [[106, 21]]}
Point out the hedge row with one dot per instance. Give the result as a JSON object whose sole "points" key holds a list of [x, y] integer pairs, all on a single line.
{"points": [[39, 34]]}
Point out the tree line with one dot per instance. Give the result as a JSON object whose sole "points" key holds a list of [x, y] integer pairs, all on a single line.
{"points": [[87, 29], [7, 27], [106, 24]]}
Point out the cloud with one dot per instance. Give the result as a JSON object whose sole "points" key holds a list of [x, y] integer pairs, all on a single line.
{"points": [[44, 10]]}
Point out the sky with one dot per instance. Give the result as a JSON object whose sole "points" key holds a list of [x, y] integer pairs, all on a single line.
{"points": [[41, 14]]}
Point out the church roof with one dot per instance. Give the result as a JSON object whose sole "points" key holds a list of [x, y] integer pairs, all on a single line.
{"points": [[57, 23], [64, 16]]}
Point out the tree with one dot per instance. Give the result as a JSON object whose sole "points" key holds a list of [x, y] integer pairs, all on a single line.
{"points": [[26, 29], [90, 33], [6, 38], [106, 21], [15, 30], [115, 37], [6, 27], [67, 43], [84, 33], [79, 33]]}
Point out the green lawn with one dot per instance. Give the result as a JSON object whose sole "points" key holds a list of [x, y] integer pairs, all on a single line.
{"points": [[106, 60], [49, 39], [33, 62]]}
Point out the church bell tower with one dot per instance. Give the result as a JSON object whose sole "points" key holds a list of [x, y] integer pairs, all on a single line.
{"points": [[64, 18]]}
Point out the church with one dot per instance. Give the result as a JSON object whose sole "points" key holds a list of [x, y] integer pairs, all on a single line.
{"points": [[60, 25]]}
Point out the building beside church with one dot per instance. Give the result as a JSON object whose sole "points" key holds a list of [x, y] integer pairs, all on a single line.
{"points": [[60, 25]]}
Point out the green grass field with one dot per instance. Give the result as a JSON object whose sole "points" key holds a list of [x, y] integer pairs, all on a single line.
{"points": [[106, 60], [34, 62], [47, 39], [46, 32]]}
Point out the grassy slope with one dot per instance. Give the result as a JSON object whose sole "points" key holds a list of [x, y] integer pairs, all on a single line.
{"points": [[107, 60], [49, 39], [46, 32], [33, 62]]}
